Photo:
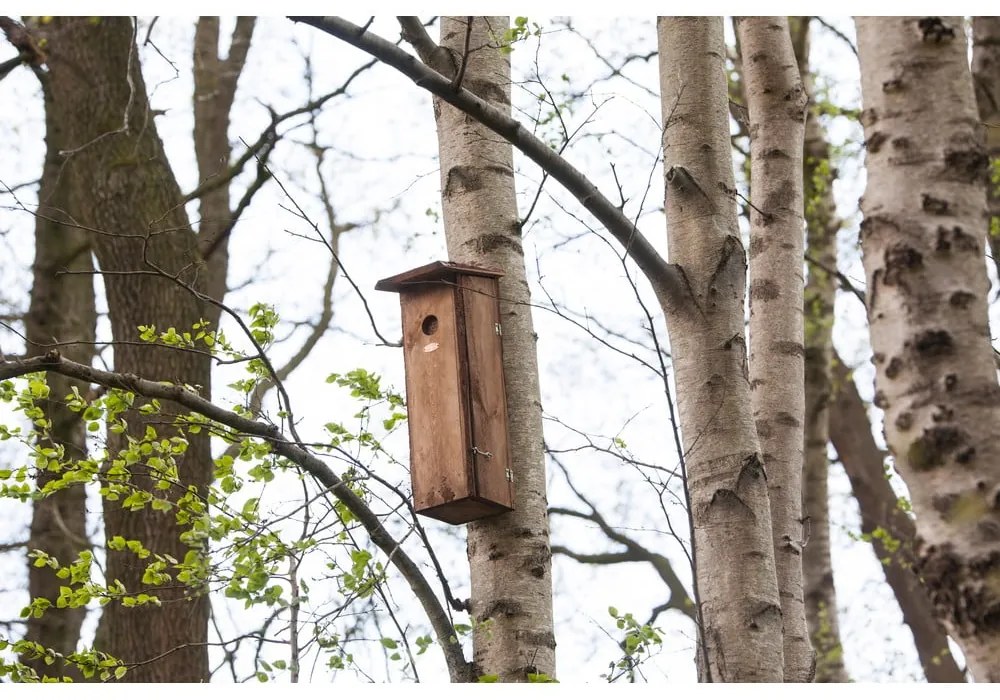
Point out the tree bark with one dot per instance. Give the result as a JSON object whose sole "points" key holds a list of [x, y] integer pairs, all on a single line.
{"points": [[881, 512], [740, 612], [986, 76], [822, 225], [509, 555], [776, 103], [922, 235], [61, 310], [215, 81], [124, 190]]}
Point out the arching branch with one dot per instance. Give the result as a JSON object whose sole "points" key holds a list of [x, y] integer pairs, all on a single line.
{"points": [[666, 279]]}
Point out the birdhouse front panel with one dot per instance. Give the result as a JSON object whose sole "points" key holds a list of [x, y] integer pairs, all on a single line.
{"points": [[438, 420]]}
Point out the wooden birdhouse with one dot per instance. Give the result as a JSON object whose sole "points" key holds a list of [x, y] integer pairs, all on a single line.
{"points": [[455, 398]]}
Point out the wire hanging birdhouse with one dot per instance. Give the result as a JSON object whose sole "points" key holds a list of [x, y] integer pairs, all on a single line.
{"points": [[455, 397]]}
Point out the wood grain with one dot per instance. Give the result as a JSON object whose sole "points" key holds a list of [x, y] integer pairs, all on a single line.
{"points": [[438, 420], [487, 397]]}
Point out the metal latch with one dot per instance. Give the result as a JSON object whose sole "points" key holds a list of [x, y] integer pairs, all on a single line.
{"points": [[510, 475], [484, 453], [498, 329]]}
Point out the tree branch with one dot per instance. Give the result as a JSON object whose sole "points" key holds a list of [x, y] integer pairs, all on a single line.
{"points": [[634, 552], [458, 667], [666, 279], [414, 34]]}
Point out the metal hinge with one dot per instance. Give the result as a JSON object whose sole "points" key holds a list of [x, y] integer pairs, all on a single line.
{"points": [[498, 329], [510, 475]]}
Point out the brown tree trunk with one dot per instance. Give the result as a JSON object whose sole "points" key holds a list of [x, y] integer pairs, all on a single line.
{"points": [[893, 532], [509, 555], [215, 81], [822, 225], [776, 104], [922, 238], [61, 310], [122, 188], [740, 612]]}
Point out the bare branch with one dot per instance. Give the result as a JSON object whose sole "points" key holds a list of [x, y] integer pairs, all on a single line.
{"points": [[634, 552], [837, 33]]}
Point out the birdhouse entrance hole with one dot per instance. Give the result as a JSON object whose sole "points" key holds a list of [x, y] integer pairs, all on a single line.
{"points": [[430, 325]]}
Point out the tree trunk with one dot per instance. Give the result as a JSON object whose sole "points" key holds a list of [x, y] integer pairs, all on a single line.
{"points": [[893, 533], [61, 310], [215, 81], [776, 103], [822, 225], [509, 555], [922, 237], [740, 612], [123, 188], [986, 76]]}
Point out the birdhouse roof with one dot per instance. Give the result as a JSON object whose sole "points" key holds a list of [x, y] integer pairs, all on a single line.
{"points": [[440, 271]]}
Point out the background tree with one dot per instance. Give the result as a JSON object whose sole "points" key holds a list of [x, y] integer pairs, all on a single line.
{"points": [[61, 314], [822, 225]]}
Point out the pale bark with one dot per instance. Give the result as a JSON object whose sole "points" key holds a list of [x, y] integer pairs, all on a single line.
{"points": [[776, 103], [741, 634], [881, 512], [124, 189], [822, 225], [922, 239], [509, 555], [62, 310], [986, 76]]}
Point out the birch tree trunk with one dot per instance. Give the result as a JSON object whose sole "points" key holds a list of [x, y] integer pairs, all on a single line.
{"points": [[509, 555], [776, 103], [822, 225], [123, 188], [922, 239], [739, 608]]}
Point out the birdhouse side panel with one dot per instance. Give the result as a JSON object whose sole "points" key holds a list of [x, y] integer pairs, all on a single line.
{"points": [[487, 394], [438, 423]]}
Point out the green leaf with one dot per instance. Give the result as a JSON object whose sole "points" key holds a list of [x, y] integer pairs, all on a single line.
{"points": [[389, 643], [540, 678], [488, 678]]}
